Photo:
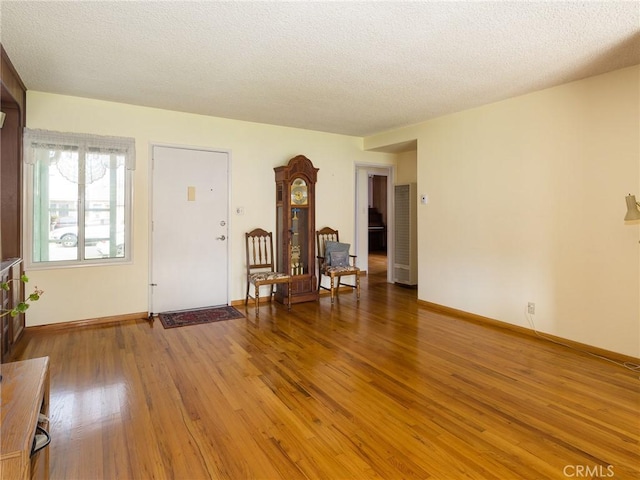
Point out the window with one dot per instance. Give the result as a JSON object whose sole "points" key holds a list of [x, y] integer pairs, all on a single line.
{"points": [[78, 198]]}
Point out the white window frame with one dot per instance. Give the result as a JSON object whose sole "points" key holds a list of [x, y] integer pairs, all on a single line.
{"points": [[84, 143]]}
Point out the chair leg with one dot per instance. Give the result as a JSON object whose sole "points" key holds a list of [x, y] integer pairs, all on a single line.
{"points": [[332, 289], [246, 297], [257, 300], [358, 286]]}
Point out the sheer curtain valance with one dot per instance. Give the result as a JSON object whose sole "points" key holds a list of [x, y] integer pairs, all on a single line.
{"points": [[64, 150], [46, 139]]}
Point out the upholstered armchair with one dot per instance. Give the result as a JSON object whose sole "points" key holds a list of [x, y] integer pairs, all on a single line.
{"points": [[335, 262]]}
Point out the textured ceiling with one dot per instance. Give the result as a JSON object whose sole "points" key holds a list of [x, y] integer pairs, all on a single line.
{"points": [[354, 68]]}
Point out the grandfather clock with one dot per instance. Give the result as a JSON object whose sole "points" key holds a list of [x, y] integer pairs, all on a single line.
{"points": [[295, 228]]}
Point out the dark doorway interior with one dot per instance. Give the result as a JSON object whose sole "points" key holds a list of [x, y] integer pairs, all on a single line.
{"points": [[378, 225]]}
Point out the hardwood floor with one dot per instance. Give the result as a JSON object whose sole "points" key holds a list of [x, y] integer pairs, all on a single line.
{"points": [[382, 388], [378, 265]]}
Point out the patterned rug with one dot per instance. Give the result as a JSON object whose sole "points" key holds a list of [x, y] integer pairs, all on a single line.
{"points": [[196, 317]]}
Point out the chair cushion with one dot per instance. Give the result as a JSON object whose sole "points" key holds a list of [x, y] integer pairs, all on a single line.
{"points": [[331, 247], [347, 268], [262, 276]]}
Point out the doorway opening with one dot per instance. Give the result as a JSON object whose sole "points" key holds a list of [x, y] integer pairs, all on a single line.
{"points": [[378, 220], [375, 188], [374, 219]]}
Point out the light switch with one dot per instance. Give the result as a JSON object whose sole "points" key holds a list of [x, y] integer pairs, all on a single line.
{"points": [[191, 194]]}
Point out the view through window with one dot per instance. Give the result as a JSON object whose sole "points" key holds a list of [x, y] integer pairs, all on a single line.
{"points": [[79, 193]]}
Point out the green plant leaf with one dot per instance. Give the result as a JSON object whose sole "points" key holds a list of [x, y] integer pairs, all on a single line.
{"points": [[22, 306]]}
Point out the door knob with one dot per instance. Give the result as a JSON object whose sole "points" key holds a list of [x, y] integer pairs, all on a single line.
{"points": [[222, 237]]}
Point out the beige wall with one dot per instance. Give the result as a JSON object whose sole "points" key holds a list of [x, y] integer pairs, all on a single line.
{"points": [[406, 167], [526, 201], [255, 149]]}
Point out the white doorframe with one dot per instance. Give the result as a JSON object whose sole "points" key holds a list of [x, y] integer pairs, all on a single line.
{"points": [[150, 215], [363, 171]]}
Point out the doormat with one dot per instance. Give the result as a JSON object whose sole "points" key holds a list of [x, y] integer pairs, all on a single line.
{"points": [[196, 317]]}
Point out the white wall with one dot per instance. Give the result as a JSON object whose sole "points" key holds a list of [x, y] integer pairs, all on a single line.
{"points": [[96, 292], [526, 201]]}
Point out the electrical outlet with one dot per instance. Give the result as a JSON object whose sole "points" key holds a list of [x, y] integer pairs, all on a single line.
{"points": [[531, 308]]}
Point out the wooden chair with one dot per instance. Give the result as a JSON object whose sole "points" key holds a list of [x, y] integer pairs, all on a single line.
{"points": [[334, 261], [261, 267]]}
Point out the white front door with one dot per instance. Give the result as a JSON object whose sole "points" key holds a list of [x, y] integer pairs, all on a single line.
{"points": [[189, 254]]}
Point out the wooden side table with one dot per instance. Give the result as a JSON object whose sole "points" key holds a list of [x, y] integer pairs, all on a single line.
{"points": [[25, 395]]}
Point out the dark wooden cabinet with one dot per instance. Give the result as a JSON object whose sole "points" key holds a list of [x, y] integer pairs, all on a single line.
{"points": [[5, 320], [295, 228], [13, 96], [11, 271]]}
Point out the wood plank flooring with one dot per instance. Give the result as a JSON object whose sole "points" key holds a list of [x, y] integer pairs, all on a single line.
{"points": [[382, 388]]}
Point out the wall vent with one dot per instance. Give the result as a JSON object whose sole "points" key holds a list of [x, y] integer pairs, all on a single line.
{"points": [[405, 267]]}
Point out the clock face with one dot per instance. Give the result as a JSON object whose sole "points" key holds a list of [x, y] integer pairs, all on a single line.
{"points": [[299, 194]]}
